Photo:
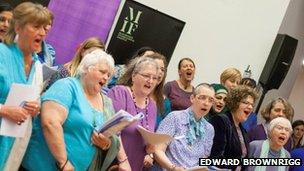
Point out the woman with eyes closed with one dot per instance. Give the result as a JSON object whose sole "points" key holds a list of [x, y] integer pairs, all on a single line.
{"points": [[179, 91], [230, 140], [132, 94], [72, 110], [230, 78], [276, 108]]}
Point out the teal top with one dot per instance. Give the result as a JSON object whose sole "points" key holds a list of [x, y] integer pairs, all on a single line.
{"points": [[77, 128], [11, 71]]}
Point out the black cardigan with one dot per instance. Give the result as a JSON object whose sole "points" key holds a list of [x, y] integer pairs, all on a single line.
{"points": [[226, 142]]}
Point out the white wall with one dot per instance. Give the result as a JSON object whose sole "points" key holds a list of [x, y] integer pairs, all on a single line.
{"points": [[223, 33], [292, 86]]}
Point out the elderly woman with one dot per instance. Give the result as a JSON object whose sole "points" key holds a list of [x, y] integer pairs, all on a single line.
{"points": [[19, 64], [278, 133], [5, 17], [72, 110], [230, 140], [133, 96], [179, 91], [230, 78], [219, 100], [297, 134], [276, 108], [195, 132]]}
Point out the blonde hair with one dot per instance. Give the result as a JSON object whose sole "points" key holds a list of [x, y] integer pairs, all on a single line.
{"points": [[87, 44], [27, 12], [230, 73], [159, 89]]}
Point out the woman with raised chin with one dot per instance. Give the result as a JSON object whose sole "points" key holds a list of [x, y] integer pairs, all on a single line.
{"points": [[279, 131]]}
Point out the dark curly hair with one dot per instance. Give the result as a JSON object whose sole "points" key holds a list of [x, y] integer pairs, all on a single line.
{"points": [[235, 96]]}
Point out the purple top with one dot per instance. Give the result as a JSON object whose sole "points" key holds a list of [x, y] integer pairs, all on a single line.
{"points": [[132, 141], [180, 99], [179, 152]]}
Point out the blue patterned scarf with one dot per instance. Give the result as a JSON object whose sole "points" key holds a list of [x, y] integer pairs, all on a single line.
{"points": [[196, 128]]}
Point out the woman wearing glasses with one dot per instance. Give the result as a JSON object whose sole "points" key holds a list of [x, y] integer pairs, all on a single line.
{"points": [[230, 140], [279, 131], [133, 96]]}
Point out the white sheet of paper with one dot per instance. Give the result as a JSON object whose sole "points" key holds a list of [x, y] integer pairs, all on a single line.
{"points": [[17, 94], [153, 138]]}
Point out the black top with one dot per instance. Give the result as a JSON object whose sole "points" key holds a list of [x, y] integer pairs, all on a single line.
{"points": [[226, 142]]}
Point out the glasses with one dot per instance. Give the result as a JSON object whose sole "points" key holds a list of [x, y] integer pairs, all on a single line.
{"points": [[204, 97], [247, 103], [148, 77], [281, 128]]}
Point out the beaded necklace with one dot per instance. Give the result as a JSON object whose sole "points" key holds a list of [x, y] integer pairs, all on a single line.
{"points": [[137, 110]]}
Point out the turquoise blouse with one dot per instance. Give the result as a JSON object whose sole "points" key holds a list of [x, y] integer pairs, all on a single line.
{"points": [[77, 128], [11, 71]]}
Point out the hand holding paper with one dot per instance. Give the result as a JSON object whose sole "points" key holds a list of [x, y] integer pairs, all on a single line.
{"points": [[15, 98], [153, 138], [118, 122]]}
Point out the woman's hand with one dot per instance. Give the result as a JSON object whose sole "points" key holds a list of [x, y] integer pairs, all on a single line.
{"points": [[101, 141], [14, 113], [178, 168], [150, 149], [148, 161], [32, 107], [124, 166], [68, 167]]}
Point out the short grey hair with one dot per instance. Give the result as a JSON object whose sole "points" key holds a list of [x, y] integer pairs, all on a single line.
{"points": [[94, 58], [197, 89], [143, 62], [279, 120]]}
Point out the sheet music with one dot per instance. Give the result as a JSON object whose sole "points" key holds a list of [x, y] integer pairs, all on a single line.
{"points": [[18, 94]]}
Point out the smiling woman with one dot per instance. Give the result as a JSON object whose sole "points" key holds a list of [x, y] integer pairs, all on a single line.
{"points": [[19, 64], [133, 96]]}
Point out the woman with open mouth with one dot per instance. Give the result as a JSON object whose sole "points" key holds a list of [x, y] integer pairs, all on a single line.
{"points": [[279, 131], [276, 108], [219, 100], [230, 139], [19, 64], [179, 91], [132, 94], [5, 17]]}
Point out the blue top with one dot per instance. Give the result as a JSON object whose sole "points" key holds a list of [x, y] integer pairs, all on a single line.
{"points": [[167, 110], [77, 128], [47, 55], [11, 71], [297, 153], [179, 152], [251, 122]]}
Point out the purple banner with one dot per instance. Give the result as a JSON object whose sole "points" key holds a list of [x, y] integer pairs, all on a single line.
{"points": [[77, 20]]}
